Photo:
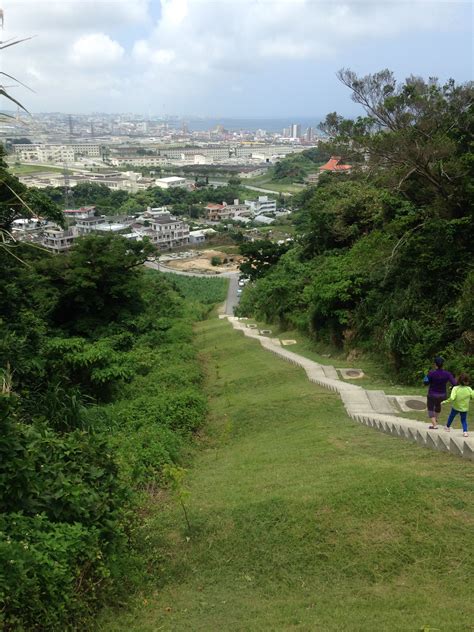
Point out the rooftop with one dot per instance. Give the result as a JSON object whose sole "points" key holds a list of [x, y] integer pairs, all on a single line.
{"points": [[333, 164]]}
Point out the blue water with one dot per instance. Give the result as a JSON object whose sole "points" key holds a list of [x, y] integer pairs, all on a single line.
{"points": [[246, 124]]}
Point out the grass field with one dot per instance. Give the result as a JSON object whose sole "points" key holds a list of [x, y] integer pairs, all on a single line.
{"points": [[207, 291], [302, 519], [24, 170], [266, 182]]}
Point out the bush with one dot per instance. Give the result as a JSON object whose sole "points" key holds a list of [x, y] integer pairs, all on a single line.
{"points": [[50, 573]]}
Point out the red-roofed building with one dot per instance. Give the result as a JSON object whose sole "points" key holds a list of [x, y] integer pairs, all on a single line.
{"points": [[334, 165], [80, 213]]}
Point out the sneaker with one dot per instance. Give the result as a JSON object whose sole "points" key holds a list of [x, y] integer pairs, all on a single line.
{"points": [[447, 428], [433, 427], [464, 434]]}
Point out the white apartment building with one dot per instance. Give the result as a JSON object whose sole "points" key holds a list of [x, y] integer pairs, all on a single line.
{"points": [[55, 153], [264, 204], [138, 161], [58, 240]]}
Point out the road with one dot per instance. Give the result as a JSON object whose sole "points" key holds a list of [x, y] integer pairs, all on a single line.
{"points": [[232, 297], [221, 183]]}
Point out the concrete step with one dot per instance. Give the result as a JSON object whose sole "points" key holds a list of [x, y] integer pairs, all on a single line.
{"points": [[380, 402], [373, 408], [330, 371]]}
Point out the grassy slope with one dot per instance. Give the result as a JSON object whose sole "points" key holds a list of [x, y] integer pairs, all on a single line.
{"points": [[266, 182], [23, 170], [302, 519]]}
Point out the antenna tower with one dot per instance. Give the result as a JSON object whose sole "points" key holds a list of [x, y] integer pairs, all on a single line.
{"points": [[68, 195]]}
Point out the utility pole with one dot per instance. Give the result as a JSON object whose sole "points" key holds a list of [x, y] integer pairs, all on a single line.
{"points": [[68, 195]]}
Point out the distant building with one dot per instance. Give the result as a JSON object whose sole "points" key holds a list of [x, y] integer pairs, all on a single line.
{"points": [[58, 240], [56, 153], [80, 213], [264, 204], [295, 130], [222, 212], [334, 166], [86, 225], [263, 219], [170, 182], [197, 237], [168, 232]]}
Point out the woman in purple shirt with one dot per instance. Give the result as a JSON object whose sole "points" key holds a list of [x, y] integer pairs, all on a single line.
{"points": [[437, 379]]}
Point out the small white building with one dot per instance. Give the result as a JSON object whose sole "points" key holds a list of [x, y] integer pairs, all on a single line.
{"points": [[197, 236], [263, 219], [170, 182]]}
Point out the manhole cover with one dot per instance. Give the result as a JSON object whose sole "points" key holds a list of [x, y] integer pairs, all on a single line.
{"points": [[353, 373], [415, 404]]}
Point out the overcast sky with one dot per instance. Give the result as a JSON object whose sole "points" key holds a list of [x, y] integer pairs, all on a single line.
{"points": [[243, 58]]}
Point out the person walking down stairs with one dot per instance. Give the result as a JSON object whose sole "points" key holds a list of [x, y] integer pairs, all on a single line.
{"points": [[460, 398], [437, 380]]}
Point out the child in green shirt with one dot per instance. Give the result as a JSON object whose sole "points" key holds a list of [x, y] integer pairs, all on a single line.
{"points": [[460, 397]]}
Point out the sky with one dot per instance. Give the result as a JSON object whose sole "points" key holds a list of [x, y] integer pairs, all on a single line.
{"points": [[225, 58]]}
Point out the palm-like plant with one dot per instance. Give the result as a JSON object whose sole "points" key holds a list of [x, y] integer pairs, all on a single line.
{"points": [[3, 88]]}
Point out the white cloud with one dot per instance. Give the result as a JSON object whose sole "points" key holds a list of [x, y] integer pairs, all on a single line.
{"points": [[88, 52], [64, 15], [95, 50], [143, 53]]}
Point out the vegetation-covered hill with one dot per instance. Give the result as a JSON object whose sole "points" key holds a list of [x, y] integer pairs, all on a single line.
{"points": [[111, 202], [383, 261], [295, 167], [302, 519], [100, 393]]}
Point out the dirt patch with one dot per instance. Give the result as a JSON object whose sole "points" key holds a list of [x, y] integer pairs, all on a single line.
{"points": [[202, 262]]}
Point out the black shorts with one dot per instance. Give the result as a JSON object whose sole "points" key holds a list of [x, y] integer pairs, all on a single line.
{"points": [[433, 403]]}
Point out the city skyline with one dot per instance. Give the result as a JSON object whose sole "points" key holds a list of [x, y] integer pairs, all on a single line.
{"points": [[252, 59]]}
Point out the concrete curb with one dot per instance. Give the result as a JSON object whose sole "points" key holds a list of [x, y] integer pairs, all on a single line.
{"points": [[372, 408]]}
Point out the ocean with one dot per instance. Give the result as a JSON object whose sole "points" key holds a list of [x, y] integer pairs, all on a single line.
{"points": [[245, 124]]}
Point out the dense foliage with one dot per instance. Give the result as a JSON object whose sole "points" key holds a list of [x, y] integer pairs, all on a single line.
{"points": [[384, 256], [110, 202], [100, 388], [295, 167]]}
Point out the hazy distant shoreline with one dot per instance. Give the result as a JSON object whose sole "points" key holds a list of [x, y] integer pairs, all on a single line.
{"points": [[248, 124]]}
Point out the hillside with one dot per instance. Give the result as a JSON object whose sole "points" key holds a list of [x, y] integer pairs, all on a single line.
{"points": [[300, 518], [383, 257]]}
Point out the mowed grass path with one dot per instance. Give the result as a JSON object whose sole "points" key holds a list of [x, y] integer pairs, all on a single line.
{"points": [[302, 519]]}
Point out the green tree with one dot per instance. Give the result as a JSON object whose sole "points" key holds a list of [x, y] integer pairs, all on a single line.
{"points": [[416, 135], [260, 256]]}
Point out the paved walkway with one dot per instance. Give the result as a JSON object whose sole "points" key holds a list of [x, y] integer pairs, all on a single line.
{"points": [[371, 408]]}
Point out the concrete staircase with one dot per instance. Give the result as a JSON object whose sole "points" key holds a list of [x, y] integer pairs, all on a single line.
{"points": [[372, 408]]}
